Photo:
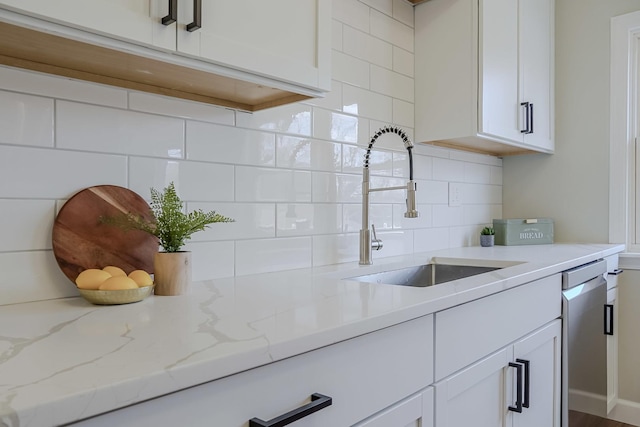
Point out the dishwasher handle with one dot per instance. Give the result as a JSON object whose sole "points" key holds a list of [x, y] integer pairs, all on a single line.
{"points": [[608, 319]]}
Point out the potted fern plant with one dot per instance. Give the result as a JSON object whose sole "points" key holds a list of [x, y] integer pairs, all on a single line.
{"points": [[172, 227], [487, 236]]}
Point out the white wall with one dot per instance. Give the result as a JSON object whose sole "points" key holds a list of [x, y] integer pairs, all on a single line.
{"points": [[60, 136], [572, 186]]}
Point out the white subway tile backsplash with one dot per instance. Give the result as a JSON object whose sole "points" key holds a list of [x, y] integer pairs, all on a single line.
{"points": [[403, 113], [380, 215], [335, 248], [26, 119], [272, 185], [336, 188], [361, 45], [424, 220], [478, 173], [40, 173], [384, 6], [252, 221], [380, 162], [262, 256], [336, 35], [334, 126], [390, 83], [367, 104], [432, 192], [396, 242], [388, 196], [293, 119], [448, 170], [332, 100], [352, 12], [108, 130], [227, 144], [305, 153], [194, 181], [447, 216], [431, 239], [61, 87], [297, 219], [32, 276], [422, 167], [25, 225], [393, 31], [403, 12], [211, 260], [481, 194], [350, 70], [175, 107], [403, 62]]}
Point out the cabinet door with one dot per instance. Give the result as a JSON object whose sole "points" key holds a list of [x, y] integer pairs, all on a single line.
{"points": [[500, 86], [130, 20], [414, 411], [476, 396], [541, 354], [285, 39], [536, 68]]}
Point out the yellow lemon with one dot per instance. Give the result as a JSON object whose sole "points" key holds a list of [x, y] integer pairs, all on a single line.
{"points": [[91, 278], [141, 277], [118, 283], [114, 271]]}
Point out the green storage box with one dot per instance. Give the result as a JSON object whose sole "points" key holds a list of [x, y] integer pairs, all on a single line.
{"points": [[519, 231]]}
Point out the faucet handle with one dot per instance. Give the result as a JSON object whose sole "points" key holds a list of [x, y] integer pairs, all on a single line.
{"points": [[376, 244]]}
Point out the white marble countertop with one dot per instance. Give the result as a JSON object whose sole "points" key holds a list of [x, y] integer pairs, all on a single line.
{"points": [[64, 360]]}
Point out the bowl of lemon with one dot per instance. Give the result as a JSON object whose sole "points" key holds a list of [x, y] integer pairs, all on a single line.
{"points": [[111, 285]]}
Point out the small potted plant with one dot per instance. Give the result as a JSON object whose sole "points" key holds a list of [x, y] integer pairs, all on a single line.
{"points": [[172, 227], [487, 236]]}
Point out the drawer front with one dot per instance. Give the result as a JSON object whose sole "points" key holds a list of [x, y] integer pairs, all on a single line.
{"points": [[471, 331], [362, 375]]}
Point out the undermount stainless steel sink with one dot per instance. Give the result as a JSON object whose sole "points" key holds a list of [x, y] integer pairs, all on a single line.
{"points": [[424, 275]]}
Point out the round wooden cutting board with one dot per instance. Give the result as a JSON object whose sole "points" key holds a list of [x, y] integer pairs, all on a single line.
{"points": [[81, 241]]}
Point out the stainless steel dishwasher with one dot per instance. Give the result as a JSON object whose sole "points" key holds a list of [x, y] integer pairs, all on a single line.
{"points": [[587, 320]]}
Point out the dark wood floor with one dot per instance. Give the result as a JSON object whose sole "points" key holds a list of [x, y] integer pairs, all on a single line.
{"points": [[579, 419]]}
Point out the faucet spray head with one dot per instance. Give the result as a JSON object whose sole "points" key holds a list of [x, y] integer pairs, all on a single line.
{"points": [[412, 211]]}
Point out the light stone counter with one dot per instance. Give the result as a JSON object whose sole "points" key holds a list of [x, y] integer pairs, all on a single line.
{"points": [[65, 360]]}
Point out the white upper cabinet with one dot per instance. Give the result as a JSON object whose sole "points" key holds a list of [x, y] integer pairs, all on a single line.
{"points": [[484, 75], [245, 54], [132, 20], [273, 38]]}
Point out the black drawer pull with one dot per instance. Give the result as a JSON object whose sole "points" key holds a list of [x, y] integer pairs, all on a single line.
{"points": [[318, 402], [530, 118], [527, 381], [616, 272], [173, 13], [197, 16], [527, 117], [518, 407]]}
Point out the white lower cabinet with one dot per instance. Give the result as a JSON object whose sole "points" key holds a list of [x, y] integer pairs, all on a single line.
{"points": [[414, 411], [362, 376], [486, 393]]}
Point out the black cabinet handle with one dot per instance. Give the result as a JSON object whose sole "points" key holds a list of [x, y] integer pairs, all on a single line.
{"points": [[197, 16], [518, 407], [173, 13], [527, 117], [530, 118], [318, 402], [527, 382], [616, 272], [608, 319]]}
